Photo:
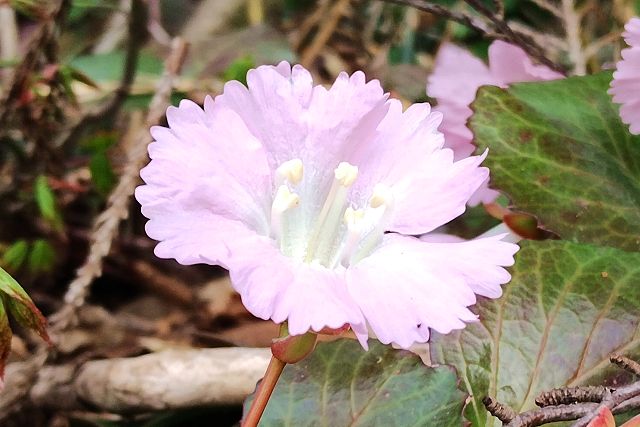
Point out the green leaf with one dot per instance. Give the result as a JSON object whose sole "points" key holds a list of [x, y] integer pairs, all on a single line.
{"points": [[21, 306], [102, 173], [5, 340], [340, 384], [238, 69], [15, 300], [107, 67], [566, 309], [100, 142], [74, 74], [16, 254], [46, 201], [42, 257], [560, 151]]}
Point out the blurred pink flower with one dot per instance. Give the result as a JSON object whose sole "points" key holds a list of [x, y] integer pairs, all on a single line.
{"points": [[456, 77], [293, 188], [625, 86]]}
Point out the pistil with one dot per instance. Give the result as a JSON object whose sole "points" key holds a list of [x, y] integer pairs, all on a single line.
{"points": [[284, 201]]}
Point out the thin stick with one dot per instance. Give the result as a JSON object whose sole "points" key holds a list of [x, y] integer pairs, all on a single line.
{"points": [[38, 44], [572, 28], [499, 410], [325, 31], [493, 26], [137, 33], [626, 363], [263, 393], [527, 43], [106, 225], [442, 11], [549, 7]]}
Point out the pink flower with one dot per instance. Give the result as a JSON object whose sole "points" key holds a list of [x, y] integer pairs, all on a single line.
{"points": [[456, 77], [293, 188], [625, 86]]}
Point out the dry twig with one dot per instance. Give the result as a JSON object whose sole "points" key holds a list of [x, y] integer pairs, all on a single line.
{"points": [[461, 18], [105, 229], [571, 20], [549, 7], [499, 410], [568, 395], [493, 25], [574, 403], [137, 33], [327, 27], [40, 44], [172, 379], [106, 225], [501, 27], [626, 363]]}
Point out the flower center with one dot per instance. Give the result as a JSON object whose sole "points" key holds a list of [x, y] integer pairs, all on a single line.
{"points": [[338, 234]]}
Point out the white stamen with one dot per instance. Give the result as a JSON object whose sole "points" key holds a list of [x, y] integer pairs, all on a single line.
{"points": [[353, 217], [291, 171], [340, 235], [328, 223], [346, 174], [284, 201], [382, 196], [367, 233], [355, 220]]}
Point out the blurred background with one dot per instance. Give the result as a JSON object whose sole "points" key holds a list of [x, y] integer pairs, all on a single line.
{"points": [[77, 81]]}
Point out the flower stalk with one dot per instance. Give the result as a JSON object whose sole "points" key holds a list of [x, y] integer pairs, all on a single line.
{"points": [[263, 393], [285, 349]]}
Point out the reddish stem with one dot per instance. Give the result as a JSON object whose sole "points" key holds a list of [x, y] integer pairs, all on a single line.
{"points": [[263, 393]]}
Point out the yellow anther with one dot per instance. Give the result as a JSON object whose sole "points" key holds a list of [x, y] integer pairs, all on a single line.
{"points": [[284, 200], [346, 174], [291, 170], [381, 196]]}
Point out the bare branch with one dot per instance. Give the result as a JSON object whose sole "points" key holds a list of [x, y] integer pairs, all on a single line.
{"points": [[137, 32], [326, 29], [171, 379], [499, 410], [549, 414], [549, 7], [626, 363], [8, 38], [612, 401], [568, 395], [552, 43], [38, 45], [106, 225], [527, 43], [572, 21], [499, 6], [594, 47], [575, 403], [442, 11], [493, 26]]}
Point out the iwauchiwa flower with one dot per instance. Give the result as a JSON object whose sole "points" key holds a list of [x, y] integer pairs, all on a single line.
{"points": [[310, 198], [456, 78], [625, 86]]}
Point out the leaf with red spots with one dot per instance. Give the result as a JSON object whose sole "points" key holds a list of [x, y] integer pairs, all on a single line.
{"points": [[559, 150], [340, 384], [567, 308]]}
